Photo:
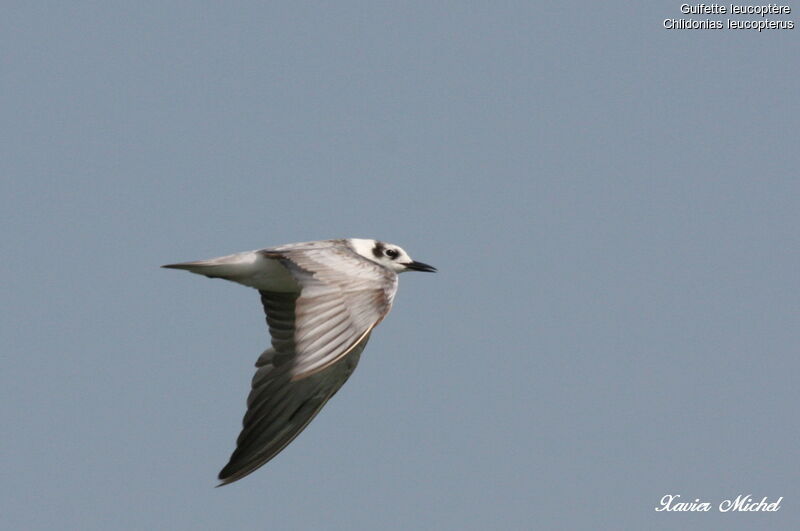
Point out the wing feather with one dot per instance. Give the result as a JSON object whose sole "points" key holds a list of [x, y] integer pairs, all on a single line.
{"points": [[318, 334], [279, 408], [342, 297]]}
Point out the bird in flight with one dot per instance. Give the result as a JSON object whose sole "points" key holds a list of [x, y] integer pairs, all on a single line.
{"points": [[322, 300]]}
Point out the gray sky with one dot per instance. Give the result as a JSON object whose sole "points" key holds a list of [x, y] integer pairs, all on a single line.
{"points": [[613, 208]]}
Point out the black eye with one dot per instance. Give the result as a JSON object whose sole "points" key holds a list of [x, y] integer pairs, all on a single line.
{"points": [[391, 253]]}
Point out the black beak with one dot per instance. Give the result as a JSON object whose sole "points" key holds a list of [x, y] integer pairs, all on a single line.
{"points": [[419, 266]]}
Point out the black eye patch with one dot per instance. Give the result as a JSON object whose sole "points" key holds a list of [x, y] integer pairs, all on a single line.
{"points": [[391, 253]]}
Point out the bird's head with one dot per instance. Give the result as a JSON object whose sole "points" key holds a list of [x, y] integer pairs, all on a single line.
{"points": [[388, 255]]}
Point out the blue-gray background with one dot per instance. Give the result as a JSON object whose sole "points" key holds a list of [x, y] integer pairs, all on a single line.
{"points": [[613, 208]]}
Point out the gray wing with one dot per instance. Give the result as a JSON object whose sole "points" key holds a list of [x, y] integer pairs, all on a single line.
{"points": [[279, 408], [342, 298], [318, 335]]}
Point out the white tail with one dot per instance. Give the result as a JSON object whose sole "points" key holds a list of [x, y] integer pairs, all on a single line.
{"points": [[250, 268]]}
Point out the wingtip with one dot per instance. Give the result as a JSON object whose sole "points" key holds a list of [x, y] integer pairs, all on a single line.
{"points": [[227, 480], [226, 476]]}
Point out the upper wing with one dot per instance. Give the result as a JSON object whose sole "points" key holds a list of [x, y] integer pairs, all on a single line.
{"points": [[318, 334], [342, 297]]}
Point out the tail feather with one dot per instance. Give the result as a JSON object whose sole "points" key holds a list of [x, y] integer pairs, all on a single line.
{"points": [[231, 267]]}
